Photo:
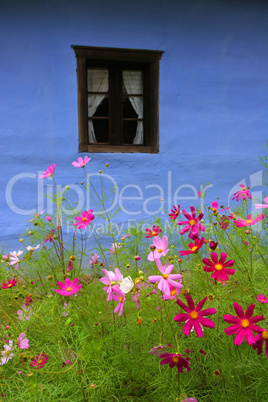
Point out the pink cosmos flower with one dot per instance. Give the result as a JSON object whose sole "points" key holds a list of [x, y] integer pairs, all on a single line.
{"points": [[194, 247], [6, 258], [30, 248], [113, 247], [154, 232], [120, 297], [111, 278], [199, 193], [158, 350], [194, 317], [10, 284], [244, 193], [219, 267], [39, 361], [25, 313], [261, 337], [80, 162], [160, 248], [85, 220], [125, 236], [48, 173], [224, 222], [22, 342], [215, 208], [243, 325], [262, 299], [7, 354], [175, 359], [248, 222], [166, 278], [174, 293], [94, 259], [69, 267], [14, 257], [189, 400], [174, 212], [49, 218], [192, 224], [68, 288], [257, 206], [37, 215], [49, 236]]}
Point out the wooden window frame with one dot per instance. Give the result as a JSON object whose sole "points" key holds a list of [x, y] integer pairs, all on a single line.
{"points": [[148, 61]]}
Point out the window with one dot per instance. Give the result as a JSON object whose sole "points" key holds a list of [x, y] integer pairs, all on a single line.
{"points": [[117, 99]]}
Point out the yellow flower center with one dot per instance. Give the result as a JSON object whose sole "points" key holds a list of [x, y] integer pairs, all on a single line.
{"points": [[218, 267], [173, 292], [176, 359], [40, 361], [165, 276], [137, 281], [69, 289], [160, 250], [214, 209], [176, 213], [120, 299], [244, 189], [192, 222], [153, 233], [9, 285], [84, 219], [194, 249], [245, 323], [194, 315], [264, 334], [7, 352], [249, 221]]}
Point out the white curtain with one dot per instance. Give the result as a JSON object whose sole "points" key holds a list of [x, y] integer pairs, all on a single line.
{"points": [[134, 85], [97, 81]]}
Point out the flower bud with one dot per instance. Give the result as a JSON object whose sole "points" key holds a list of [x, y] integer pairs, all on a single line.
{"points": [[213, 245]]}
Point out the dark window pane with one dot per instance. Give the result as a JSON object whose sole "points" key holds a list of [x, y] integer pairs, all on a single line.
{"points": [[98, 105], [98, 130], [133, 107], [132, 130]]}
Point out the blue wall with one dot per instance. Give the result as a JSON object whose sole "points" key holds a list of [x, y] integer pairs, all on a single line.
{"points": [[213, 97]]}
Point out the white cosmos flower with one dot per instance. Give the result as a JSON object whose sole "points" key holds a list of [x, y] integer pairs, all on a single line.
{"points": [[126, 285], [7, 355]]}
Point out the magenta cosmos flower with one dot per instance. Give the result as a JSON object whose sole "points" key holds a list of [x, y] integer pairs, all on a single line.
{"points": [[39, 361], [262, 299], [261, 337], [158, 350], [194, 247], [248, 222], [120, 297], [194, 317], [154, 232], [10, 284], [110, 279], [243, 324], [175, 359], [215, 207], [85, 220], [174, 212], [166, 278], [80, 162], [257, 206], [22, 342], [161, 248], [219, 267], [192, 224], [68, 288], [48, 173], [244, 193]]}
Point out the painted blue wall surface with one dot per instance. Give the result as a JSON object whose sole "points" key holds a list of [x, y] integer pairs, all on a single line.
{"points": [[213, 100]]}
